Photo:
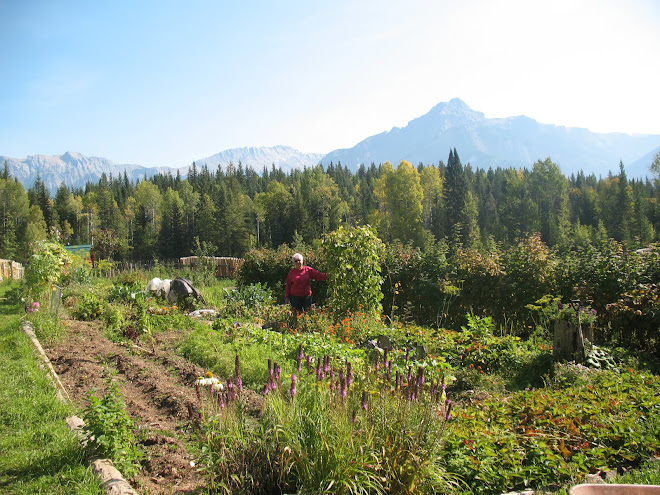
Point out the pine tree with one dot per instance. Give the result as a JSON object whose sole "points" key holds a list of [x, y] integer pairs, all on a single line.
{"points": [[455, 190]]}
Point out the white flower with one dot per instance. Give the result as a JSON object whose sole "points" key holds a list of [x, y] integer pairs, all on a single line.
{"points": [[208, 381]]}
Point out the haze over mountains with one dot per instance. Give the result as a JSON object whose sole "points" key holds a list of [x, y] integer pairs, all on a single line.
{"points": [[484, 143]]}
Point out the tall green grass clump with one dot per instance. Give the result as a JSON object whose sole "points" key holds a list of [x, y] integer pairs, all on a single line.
{"points": [[325, 430]]}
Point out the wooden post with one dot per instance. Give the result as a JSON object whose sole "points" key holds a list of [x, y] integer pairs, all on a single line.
{"points": [[568, 341]]}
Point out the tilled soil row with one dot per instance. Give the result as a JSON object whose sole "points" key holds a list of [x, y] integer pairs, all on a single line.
{"points": [[158, 389]]}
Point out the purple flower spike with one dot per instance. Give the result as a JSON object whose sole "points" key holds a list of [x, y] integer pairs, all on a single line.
{"points": [[363, 404], [231, 391], [309, 363], [342, 386], [420, 377], [319, 370], [277, 371], [447, 409], [221, 401], [349, 375], [333, 383], [272, 385], [294, 389], [326, 365]]}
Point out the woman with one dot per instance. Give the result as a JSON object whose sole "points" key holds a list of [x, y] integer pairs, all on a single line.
{"points": [[298, 290]]}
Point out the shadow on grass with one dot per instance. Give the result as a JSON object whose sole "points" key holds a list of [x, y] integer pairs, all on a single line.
{"points": [[44, 467], [10, 298], [532, 373]]}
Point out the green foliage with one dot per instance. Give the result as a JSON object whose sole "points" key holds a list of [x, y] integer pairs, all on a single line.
{"points": [[48, 326], [215, 350], [270, 267], [109, 430], [546, 437], [352, 257], [88, 307], [550, 309], [121, 293], [79, 271], [247, 298], [316, 436], [46, 266], [39, 454], [647, 474]]}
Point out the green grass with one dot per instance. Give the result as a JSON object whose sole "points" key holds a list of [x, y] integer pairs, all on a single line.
{"points": [[647, 474], [39, 453]]}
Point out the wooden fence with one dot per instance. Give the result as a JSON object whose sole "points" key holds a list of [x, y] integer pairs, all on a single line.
{"points": [[224, 266], [11, 269]]}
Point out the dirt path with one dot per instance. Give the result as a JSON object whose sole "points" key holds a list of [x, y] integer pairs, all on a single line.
{"points": [[158, 389]]}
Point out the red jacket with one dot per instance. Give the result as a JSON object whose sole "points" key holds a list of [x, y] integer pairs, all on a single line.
{"points": [[298, 281]]}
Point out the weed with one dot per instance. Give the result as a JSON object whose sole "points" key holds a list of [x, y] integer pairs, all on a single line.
{"points": [[110, 429]]}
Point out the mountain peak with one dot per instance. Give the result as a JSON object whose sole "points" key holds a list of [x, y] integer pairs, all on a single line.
{"points": [[456, 108], [502, 142]]}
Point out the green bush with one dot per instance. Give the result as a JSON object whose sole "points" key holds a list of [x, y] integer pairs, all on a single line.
{"points": [[109, 430], [45, 267], [271, 267], [88, 307], [352, 257]]}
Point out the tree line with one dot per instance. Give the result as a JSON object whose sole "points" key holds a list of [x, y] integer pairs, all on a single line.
{"points": [[228, 211]]}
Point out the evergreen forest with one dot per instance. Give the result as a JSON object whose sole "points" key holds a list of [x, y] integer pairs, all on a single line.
{"points": [[228, 211]]}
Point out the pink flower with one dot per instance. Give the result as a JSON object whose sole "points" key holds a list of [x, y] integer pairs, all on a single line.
{"points": [[294, 389]]}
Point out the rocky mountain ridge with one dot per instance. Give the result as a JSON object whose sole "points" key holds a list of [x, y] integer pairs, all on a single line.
{"points": [[502, 142], [482, 142]]}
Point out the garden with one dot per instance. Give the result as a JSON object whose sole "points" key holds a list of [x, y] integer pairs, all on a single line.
{"points": [[417, 371]]}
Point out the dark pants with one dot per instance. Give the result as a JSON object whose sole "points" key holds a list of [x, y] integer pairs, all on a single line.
{"points": [[300, 303]]}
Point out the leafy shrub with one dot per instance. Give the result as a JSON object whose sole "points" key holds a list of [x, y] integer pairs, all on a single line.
{"points": [[248, 297], [45, 267], [271, 267], [530, 271], [79, 271], [122, 293], [88, 307], [352, 257], [110, 430], [416, 284], [545, 437]]}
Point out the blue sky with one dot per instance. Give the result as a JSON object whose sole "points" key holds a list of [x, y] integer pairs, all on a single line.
{"points": [[162, 83]]}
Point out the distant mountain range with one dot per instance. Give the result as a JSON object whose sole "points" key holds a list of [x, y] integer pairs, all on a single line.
{"points": [[75, 169], [484, 143], [506, 142]]}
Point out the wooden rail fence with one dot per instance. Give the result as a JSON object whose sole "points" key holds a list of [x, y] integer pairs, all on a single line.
{"points": [[11, 269]]}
